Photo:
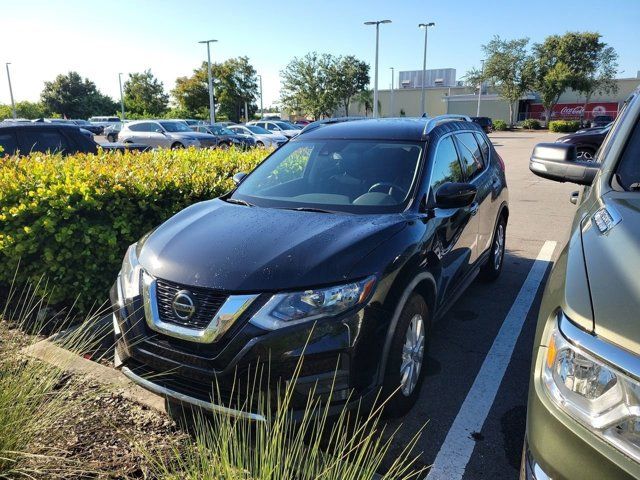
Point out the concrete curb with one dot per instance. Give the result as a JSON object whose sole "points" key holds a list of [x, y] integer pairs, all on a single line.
{"points": [[70, 362]]}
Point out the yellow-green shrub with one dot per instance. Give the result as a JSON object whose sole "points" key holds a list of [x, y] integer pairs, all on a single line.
{"points": [[70, 219], [564, 126]]}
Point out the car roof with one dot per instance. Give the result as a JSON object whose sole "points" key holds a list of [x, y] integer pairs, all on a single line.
{"points": [[38, 125], [408, 129]]}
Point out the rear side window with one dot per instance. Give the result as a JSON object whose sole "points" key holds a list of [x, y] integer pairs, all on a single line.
{"points": [[446, 165], [144, 127], [43, 141], [8, 143], [470, 155], [484, 147]]}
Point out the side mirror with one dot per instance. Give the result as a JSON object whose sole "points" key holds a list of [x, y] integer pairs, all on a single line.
{"points": [[558, 162], [455, 195], [239, 177]]}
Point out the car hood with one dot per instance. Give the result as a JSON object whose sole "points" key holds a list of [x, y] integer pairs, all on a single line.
{"points": [[253, 249], [613, 262]]}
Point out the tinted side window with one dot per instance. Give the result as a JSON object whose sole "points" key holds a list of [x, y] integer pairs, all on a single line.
{"points": [[43, 141], [446, 165], [272, 127], [484, 147], [470, 154], [628, 172], [8, 143]]}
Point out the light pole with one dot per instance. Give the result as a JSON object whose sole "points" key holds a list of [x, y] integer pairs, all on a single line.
{"points": [[375, 84], [13, 104], [261, 110], [392, 102], [212, 106], [121, 96], [480, 88], [424, 63]]}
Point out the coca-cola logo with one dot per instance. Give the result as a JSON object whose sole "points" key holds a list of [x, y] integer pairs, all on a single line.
{"points": [[572, 110], [599, 110]]}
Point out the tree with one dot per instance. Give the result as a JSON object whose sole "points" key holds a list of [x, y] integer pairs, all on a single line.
{"points": [[350, 76], [572, 60], [235, 82], [508, 67], [364, 99], [24, 109], [308, 85], [144, 95], [73, 97], [602, 79]]}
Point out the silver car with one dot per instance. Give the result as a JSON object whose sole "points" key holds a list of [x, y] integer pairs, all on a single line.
{"points": [[164, 133], [278, 127], [264, 138]]}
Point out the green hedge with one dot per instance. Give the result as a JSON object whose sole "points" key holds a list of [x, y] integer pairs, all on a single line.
{"points": [[70, 219], [564, 125], [531, 124], [499, 125]]}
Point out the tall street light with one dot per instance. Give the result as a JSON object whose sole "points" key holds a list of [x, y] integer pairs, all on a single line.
{"points": [[480, 88], [424, 63], [121, 96], [13, 104], [261, 109], [393, 107], [212, 106], [375, 84]]}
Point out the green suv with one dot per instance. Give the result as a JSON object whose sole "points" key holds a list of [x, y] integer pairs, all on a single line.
{"points": [[583, 418]]}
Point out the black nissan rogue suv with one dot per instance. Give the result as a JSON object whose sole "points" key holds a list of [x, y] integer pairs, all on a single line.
{"points": [[345, 244]]}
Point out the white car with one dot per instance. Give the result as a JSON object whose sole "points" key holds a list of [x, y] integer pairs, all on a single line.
{"points": [[277, 126], [264, 138], [165, 133]]}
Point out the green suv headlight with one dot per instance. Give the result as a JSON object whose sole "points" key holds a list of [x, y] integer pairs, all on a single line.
{"points": [[285, 309], [595, 393], [130, 274]]}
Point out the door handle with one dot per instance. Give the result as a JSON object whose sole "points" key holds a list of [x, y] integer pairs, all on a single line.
{"points": [[473, 209]]}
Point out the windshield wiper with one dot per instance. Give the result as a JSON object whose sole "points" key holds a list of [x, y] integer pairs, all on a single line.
{"points": [[309, 209], [239, 201]]}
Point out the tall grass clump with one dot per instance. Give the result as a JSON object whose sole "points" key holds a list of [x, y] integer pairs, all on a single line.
{"points": [[316, 444], [34, 395], [70, 219]]}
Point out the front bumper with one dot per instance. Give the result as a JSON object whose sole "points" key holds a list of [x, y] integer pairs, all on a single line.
{"points": [[341, 360]]}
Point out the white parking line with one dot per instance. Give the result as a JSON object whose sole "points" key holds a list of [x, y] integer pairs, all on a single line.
{"points": [[457, 448]]}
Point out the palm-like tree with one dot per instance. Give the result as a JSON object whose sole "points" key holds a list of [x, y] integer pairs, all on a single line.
{"points": [[365, 99]]}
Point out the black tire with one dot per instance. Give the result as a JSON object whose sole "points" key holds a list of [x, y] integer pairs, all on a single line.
{"points": [[224, 146], [259, 144], [176, 146], [401, 397], [491, 269]]}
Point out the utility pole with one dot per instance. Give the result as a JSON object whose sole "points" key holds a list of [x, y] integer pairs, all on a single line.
{"points": [[13, 103], [392, 102], [212, 106], [121, 96], [375, 84], [424, 64], [480, 89], [261, 109]]}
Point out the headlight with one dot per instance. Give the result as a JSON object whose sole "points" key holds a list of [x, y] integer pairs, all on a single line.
{"points": [[596, 394], [130, 274], [286, 309]]}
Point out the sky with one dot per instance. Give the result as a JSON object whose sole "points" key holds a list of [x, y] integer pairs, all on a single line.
{"points": [[42, 38]]}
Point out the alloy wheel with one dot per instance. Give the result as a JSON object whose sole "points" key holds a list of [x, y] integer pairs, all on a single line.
{"points": [[498, 248], [412, 355]]}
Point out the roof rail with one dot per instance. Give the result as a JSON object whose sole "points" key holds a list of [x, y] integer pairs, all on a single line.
{"points": [[328, 121], [440, 119]]}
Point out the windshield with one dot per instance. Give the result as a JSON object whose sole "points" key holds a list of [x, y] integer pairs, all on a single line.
{"points": [[285, 125], [366, 176], [258, 130], [175, 127], [218, 130]]}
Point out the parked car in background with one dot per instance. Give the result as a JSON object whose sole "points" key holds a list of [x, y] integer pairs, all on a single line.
{"points": [[226, 124], [583, 415], [304, 122], [228, 138], [166, 134], [64, 121], [485, 122], [95, 129], [355, 237], [277, 126], [111, 132], [264, 138], [586, 142], [601, 120], [104, 121], [51, 137]]}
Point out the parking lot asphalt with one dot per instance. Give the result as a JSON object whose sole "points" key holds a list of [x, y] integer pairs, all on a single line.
{"points": [[483, 437]]}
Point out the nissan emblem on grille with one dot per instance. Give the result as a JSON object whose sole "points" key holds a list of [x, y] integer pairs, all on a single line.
{"points": [[183, 305]]}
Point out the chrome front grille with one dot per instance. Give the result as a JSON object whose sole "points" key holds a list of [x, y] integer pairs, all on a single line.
{"points": [[207, 303]]}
